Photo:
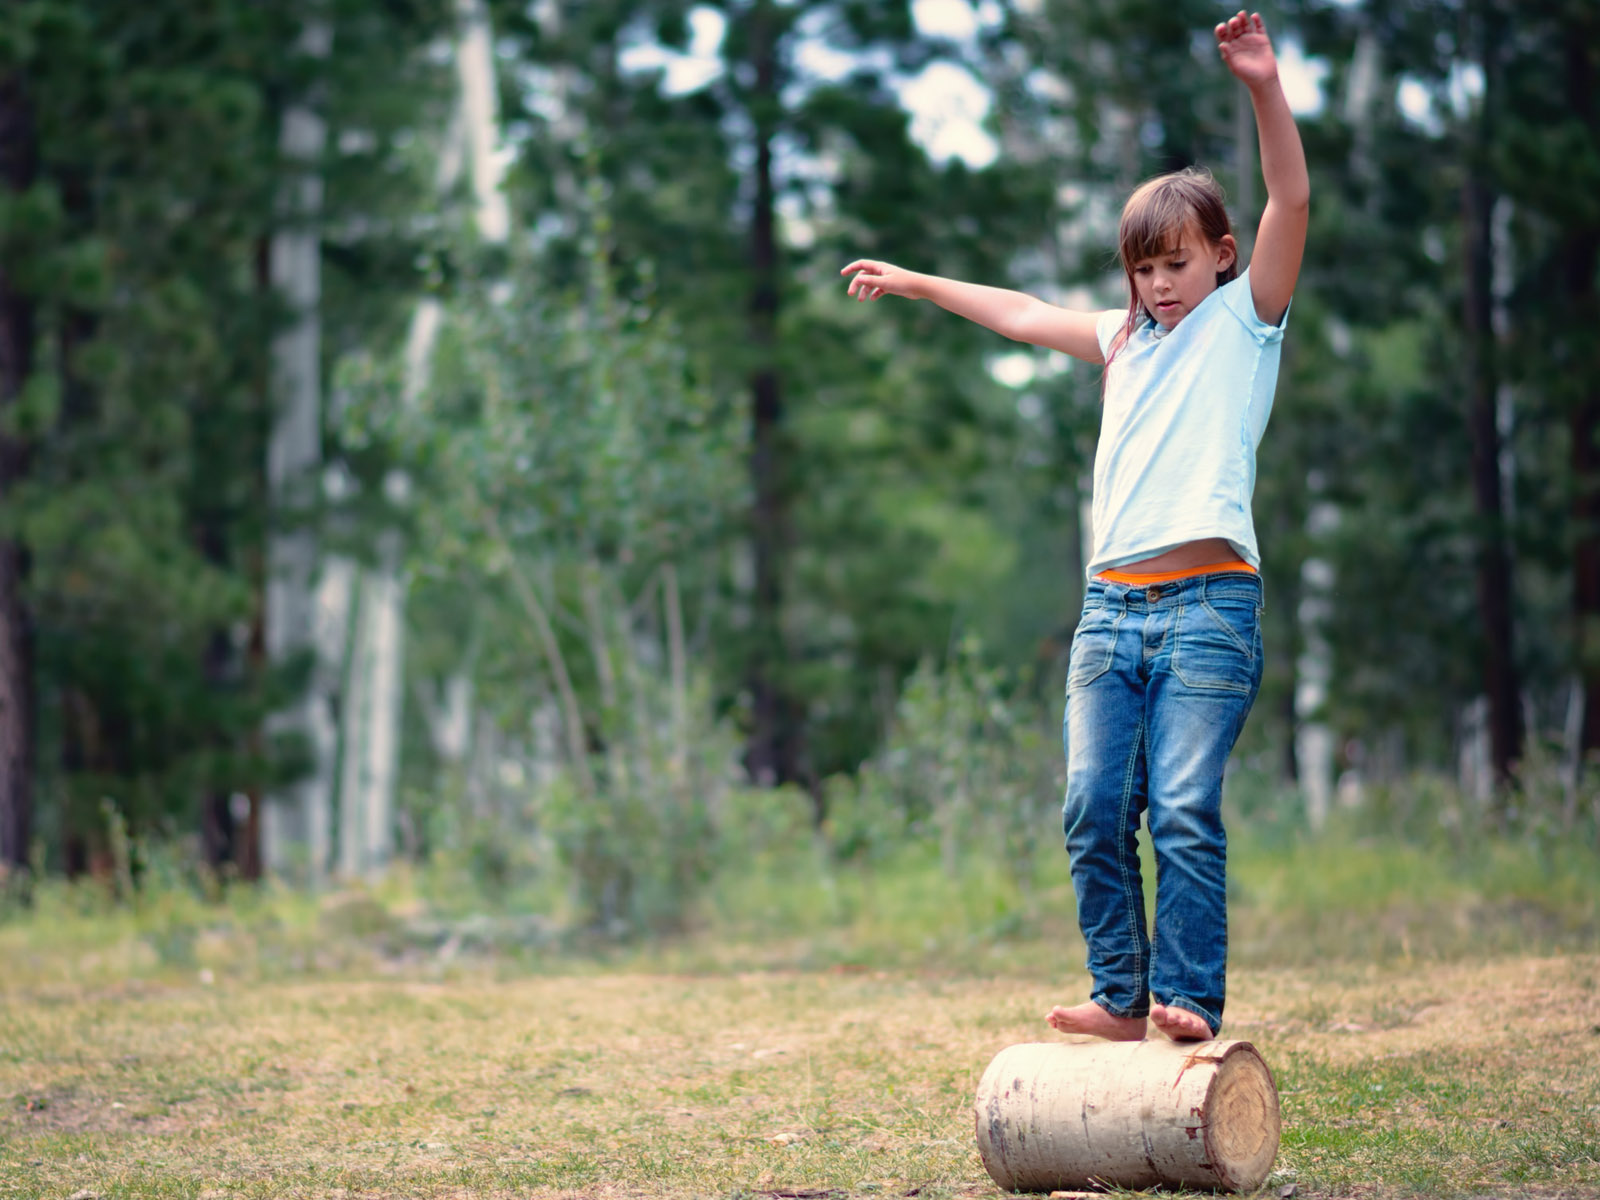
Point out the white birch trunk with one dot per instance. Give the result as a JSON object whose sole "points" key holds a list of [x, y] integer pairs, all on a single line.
{"points": [[678, 673], [481, 117], [371, 720], [1474, 760], [376, 682], [1571, 752], [296, 819], [1313, 740], [1091, 1114], [450, 718]]}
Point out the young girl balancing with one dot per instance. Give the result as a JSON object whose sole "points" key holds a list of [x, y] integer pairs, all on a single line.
{"points": [[1167, 656]]}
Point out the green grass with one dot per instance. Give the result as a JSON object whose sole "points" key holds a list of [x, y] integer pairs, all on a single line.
{"points": [[1466, 1079], [1432, 1017], [1290, 901]]}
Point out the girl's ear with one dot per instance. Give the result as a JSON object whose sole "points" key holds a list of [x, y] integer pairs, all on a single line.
{"points": [[1227, 252]]}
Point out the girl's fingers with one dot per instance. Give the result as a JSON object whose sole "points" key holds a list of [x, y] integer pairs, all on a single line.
{"points": [[867, 283]]}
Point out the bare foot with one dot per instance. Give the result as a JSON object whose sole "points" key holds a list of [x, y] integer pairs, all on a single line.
{"points": [[1090, 1018], [1180, 1024]]}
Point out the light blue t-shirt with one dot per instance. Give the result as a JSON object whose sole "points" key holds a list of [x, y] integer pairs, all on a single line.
{"points": [[1183, 413]]}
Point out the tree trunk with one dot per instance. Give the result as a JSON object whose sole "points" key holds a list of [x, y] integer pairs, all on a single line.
{"points": [[217, 835], [678, 673], [1084, 1115], [253, 842], [1309, 608], [1494, 563], [1579, 259], [373, 698], [17, 715], [774, 754], [1580, 255], [363, 611], [299, 820]]}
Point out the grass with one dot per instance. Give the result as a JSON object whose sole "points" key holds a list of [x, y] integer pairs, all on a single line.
{"points": [[1461, 1079], [1433, 1020]]}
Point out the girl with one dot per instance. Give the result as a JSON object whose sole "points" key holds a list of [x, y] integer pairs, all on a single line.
{"points": [[1166, 660]]}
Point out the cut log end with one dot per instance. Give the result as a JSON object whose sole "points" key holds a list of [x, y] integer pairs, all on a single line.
{"points": [[1242, 1120], [1065, 1116]]}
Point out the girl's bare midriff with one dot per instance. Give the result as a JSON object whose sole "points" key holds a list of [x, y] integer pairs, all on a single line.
{"points": [[1180, 558]]}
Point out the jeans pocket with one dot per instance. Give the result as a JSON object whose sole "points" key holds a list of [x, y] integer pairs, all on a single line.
{"points": [[1218, 640], [1092, 647]]}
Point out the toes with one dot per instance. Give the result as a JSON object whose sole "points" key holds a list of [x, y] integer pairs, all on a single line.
{"points": [[1180, 1024]]}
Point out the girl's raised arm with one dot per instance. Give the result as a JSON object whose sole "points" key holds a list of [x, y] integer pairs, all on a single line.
{"points": [[1281, 237], [1016, 315]]}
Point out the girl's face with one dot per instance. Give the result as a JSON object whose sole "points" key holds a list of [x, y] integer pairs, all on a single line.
{"points": [[1171, 284]]}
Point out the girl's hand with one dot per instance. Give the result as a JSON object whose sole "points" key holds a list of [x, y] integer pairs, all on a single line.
{"points": [[875, 280], [1246, 48]]}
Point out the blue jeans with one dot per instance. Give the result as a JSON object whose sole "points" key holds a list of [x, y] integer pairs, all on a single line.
{"points": [[1159, 683]]}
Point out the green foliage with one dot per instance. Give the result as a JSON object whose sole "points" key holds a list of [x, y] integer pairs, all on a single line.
{"points": [[140, 251], [565, 455], [964, 764], [639, 852], [585, 434], [892, 442], [1386, 361]]}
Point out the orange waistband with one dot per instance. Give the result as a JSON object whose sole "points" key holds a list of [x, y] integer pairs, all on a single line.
{"points": [[1138, 580]]}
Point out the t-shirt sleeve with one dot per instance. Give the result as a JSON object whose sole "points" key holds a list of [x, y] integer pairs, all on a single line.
{"points": [[1236, 295], [1106, 327]]}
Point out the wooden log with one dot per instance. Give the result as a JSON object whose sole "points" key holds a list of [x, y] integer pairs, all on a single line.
{"points": [[1087, 1113]]}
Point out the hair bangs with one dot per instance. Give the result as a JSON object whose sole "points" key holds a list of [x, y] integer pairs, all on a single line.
{"points": [[1153, 224]]}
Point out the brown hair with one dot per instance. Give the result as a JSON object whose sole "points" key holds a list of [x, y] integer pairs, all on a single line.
{"points": [[1154, 219]]}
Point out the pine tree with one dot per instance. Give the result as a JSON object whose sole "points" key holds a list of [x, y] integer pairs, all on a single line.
{"points": [[18, 167]]}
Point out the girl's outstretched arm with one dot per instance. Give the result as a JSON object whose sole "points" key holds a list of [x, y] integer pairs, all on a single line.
{"points": [[1281, 237], [1016, 315]]}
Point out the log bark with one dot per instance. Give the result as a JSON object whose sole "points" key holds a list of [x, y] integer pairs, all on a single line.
{"points": [[1068, 1115]]}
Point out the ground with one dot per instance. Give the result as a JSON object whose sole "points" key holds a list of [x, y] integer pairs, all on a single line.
{"points": [[1465, 1079]]}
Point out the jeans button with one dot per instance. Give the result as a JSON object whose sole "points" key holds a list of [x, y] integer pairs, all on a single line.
{"points": [[1153, 593]]}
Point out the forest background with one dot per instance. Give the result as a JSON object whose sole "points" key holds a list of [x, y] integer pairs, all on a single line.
{"points": [[434, 443]]}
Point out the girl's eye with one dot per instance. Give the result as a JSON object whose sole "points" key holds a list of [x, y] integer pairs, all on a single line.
{"points": [[1141, 270], [1180, 264]]}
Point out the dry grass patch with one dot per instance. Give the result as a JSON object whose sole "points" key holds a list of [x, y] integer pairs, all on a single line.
{"points": [[1464, 1080]]}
